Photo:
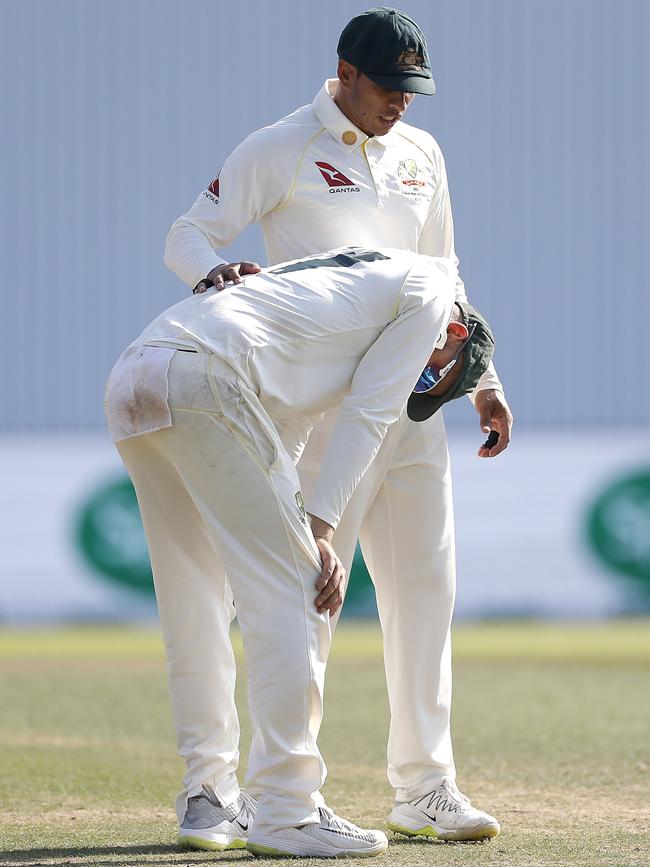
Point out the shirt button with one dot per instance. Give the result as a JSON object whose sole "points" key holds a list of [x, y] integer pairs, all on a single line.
{"points": [[349, 137]]}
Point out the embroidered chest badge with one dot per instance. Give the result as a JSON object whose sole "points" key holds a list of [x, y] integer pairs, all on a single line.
{"points": [[301, 507], [407, 171]]}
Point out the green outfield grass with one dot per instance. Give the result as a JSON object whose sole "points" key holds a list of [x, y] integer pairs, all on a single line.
{"points": [[551, 726]]}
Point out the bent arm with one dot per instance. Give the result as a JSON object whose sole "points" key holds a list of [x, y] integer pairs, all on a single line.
{"points": [[248, 187], [381, 385]]}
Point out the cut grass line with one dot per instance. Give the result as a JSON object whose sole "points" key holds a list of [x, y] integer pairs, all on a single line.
{"points": [[620, 641], [94, 815], [74, 742]]}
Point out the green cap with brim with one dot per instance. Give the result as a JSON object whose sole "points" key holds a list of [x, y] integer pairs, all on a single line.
{"points": [[477, 355], [390, 49]]}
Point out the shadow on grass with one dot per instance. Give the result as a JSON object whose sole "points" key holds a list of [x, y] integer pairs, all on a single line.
{"points": [[70, 856], [423, 842]]}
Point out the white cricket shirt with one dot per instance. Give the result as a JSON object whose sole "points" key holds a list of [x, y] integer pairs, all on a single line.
{"points": [[314, 181], [352, 327]]}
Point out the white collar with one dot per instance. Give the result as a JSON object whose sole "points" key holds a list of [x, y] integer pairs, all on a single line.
{"points": [[337, 124]]}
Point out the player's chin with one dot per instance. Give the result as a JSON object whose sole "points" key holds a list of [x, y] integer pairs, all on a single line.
{"points": [[383, 126]]}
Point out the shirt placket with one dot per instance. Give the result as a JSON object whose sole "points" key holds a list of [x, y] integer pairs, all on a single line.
{"points": [[372, 153]]}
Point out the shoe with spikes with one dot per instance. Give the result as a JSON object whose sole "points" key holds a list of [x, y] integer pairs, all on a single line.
{"points": [[444, 813], [331, 837]]}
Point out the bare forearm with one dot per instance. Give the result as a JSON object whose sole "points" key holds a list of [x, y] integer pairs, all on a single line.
{"points": [[321, 529]]}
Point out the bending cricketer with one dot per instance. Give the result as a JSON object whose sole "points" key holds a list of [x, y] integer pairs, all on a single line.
{"points": [[347, 170], [195, 406]]}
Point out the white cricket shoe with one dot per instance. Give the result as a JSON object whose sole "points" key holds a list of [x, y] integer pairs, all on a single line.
{"points": [[444, 813], [332, 837], [209, 824]]}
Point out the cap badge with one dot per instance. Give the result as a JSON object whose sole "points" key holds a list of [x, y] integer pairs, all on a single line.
{"points": [[349, 137], [410, 58]]}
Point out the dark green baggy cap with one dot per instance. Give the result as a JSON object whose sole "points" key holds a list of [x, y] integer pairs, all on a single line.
{"points": [[477, 355], [388, 47]]}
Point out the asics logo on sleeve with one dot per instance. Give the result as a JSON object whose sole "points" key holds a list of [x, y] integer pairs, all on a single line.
{"points": [[336, 180]]}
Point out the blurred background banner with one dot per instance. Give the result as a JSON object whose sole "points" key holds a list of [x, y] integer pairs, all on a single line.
{"points": [[559, 529], [120, 113]]}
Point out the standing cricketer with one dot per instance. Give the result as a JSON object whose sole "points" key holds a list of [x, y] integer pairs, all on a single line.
{"points": [[347, 170], [194, 406]]}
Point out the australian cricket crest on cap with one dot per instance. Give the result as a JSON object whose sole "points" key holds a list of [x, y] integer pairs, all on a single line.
{"points": [[410, 61]]}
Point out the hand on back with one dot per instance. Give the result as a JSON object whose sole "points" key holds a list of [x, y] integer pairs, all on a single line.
{"points": [[229, 272]]}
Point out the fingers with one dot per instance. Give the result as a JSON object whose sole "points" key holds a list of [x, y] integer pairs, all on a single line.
{"points": [[234, 273], [230, 273], [330, 563], [334, 607], [494, 415], [501, 422], [331, 596], [330, 582], [216, 276], [485, 419], [218, 281]]}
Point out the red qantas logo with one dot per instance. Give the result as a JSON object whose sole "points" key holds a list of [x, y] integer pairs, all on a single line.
{"points": [[333, 176], [336, 180], [214, 187]]}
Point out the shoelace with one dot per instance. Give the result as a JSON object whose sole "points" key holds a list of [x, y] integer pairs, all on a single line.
{"points": [[446, 797], [248, 805], [453, 788], [335, 823], [331, 820]]}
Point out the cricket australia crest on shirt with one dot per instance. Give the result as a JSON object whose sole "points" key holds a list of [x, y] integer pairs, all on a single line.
{"points": [[413, 183], [407, 171], [301, 507]]}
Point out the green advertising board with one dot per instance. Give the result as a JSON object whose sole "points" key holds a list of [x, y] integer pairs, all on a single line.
{"points": [[618, 528], [111, 537]]}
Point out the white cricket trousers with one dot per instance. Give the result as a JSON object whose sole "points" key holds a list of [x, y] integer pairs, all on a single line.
{"points": [[217, 490], [402, 514]]}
